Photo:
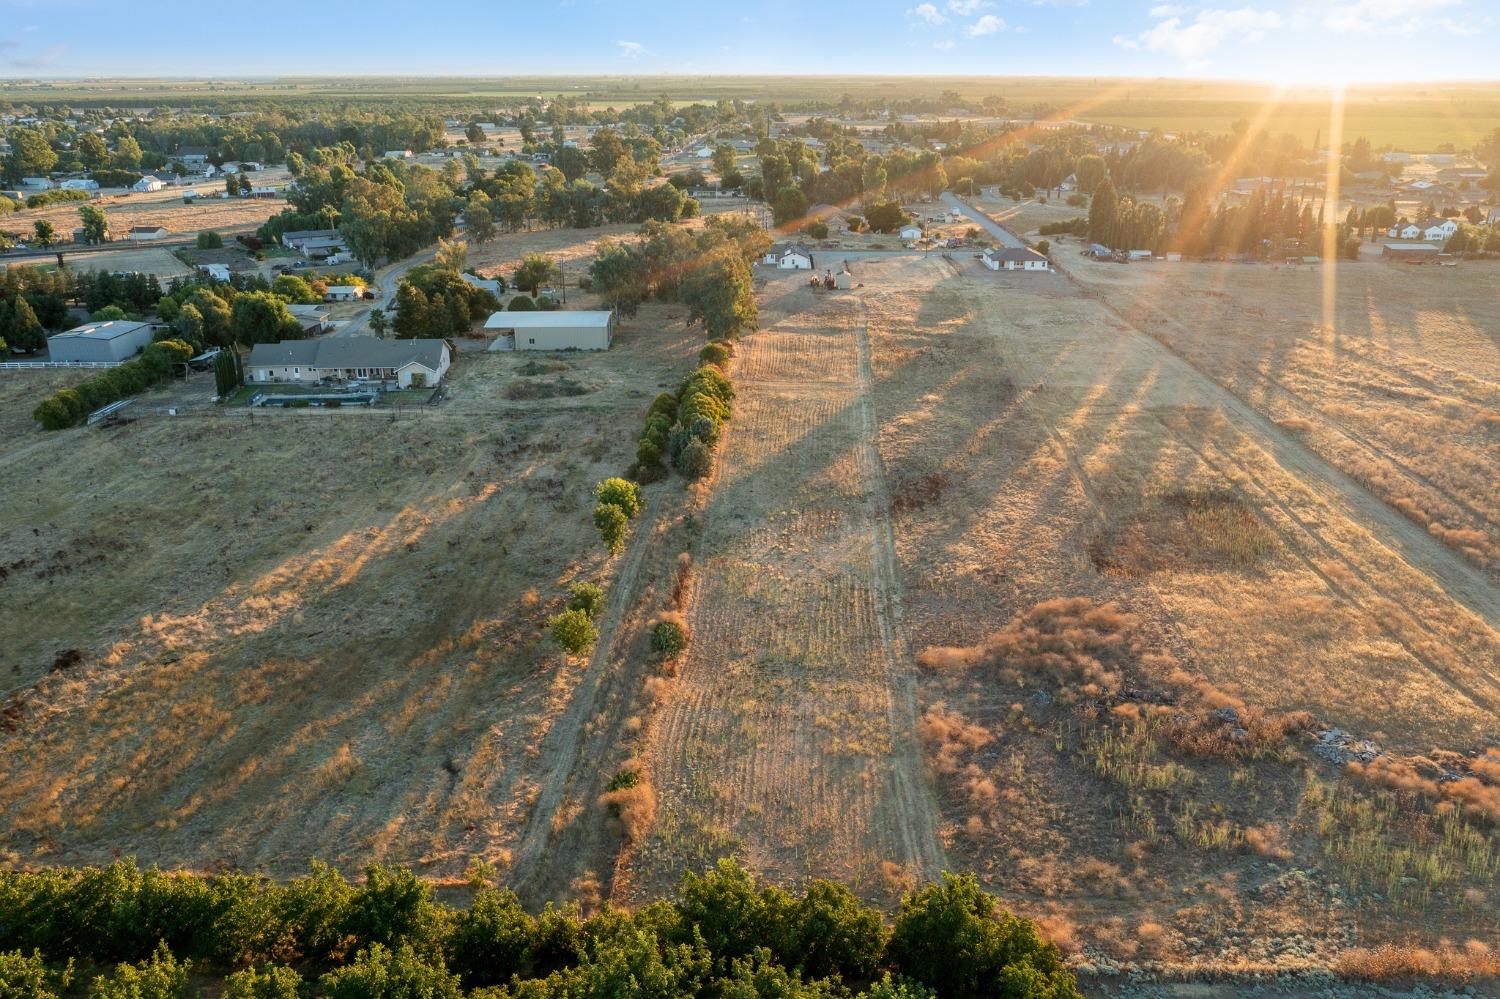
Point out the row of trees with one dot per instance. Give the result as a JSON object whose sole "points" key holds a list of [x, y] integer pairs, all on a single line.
{"points": [[68, 407], [724, 935], [708, 270]]}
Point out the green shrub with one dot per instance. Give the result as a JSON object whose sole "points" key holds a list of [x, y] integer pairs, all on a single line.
{"points": [[695, 460], [522, 303], [621, 493], [612, 525], [393, 907], [210, 240], [53, 414], [159, 977], [586, 597], [379, 973], [665, 404], [648, 453], [818, 230], [270, 982], [669, 638], [574, 631], [713, 354], [492, 941], [23, 977]]}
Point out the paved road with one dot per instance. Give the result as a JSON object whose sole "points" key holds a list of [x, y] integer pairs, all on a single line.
{"points": [[988, 224], [387, 279]]}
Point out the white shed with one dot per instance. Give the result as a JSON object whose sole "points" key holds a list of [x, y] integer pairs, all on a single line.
{"points": [[558, 330]]}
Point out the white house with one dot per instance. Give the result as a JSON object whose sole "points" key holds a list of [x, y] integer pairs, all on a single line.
{"points": [[146, 233], [1439, 230], [484, 284], [910, 233], [1012, 258], [343, 293], [408, 363], [790, 257], [557, 330], [398, 154], [37, 183], [1408, 231], [215, 272], [80, 184], [148, 184]]}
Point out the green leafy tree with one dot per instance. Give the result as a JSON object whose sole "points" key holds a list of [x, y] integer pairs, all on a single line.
{"points": [[92, 151], [293, 290], [723, 159], [587, 597], [380, 973], [413, 311], [609, 520], [261, 317], [535, 270], [574, 631], [1103, 212], [1090, 171], [621, 493], [272, 981], [23, 330], [790, 204], [953, 938], [127, 155], [43, 233], [159, 977], [28, 977], [210, 240], [31, 155], [719, 293], [479, 221], [378, 322]]}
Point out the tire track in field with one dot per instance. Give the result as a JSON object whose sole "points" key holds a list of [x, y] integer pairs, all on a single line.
{"points": [[916, 805]]}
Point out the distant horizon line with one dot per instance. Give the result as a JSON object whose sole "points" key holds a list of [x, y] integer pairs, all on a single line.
{"points": [[562, 75]]}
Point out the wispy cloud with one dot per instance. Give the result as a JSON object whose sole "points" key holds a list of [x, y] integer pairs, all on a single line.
{"points": [[632, 50], [927, 13], [963, 8], [1395, 17], [1193, 40], [989, 24]]}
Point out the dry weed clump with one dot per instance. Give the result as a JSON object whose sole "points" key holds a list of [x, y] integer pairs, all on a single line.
{"points": [[1072, 638], [631, 801], [1268, 840], [1184, 529], [1061, 930], [1393, 961], [949, 736], [1449, 779]]}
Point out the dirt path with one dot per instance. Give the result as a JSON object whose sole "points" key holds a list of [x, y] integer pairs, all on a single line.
{"points": [[573, 749]]}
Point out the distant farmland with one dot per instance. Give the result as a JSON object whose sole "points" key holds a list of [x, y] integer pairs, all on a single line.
{"points": [[1416, 117]]}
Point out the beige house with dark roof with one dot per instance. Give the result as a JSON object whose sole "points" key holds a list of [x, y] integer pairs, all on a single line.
{"points": [[408, 363]]}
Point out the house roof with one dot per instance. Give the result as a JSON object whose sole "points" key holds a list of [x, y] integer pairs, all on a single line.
{"points": [[1420, 247], [1017, 254], [148, 228], [348, 352], [111, 330], [782, 249], [557, 319], [295, 234]]}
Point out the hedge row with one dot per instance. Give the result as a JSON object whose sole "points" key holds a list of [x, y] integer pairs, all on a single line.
{"points": [[724, 935], [68, 407], [682, 427]]}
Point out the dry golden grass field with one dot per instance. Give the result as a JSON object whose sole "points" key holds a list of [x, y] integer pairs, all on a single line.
{"points": [[995, 572], [303, 636], [1117, 608], [163, 208]]}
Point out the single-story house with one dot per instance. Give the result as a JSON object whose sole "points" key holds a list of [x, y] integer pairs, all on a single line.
{"points": [[1409, 230], [343, 293], [408, 363], [263, 192], [314, 318], [146, 233], [790, 257], [191, 156], [148, 184], [322, 247], [1014, 258], [557, 330], [293, 239], [37, 183], [398, 154], [1419, 252], [116, 340], [910, 232], [484, 284], [80, 184], [215, 272]]}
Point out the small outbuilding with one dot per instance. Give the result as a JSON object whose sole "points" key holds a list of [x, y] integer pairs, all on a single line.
{"points": [[343, 293], [112, 341], [146, 233], [558, 330]]}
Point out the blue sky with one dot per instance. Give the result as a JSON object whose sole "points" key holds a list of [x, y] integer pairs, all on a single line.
{"points": [[1283, 40]]}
